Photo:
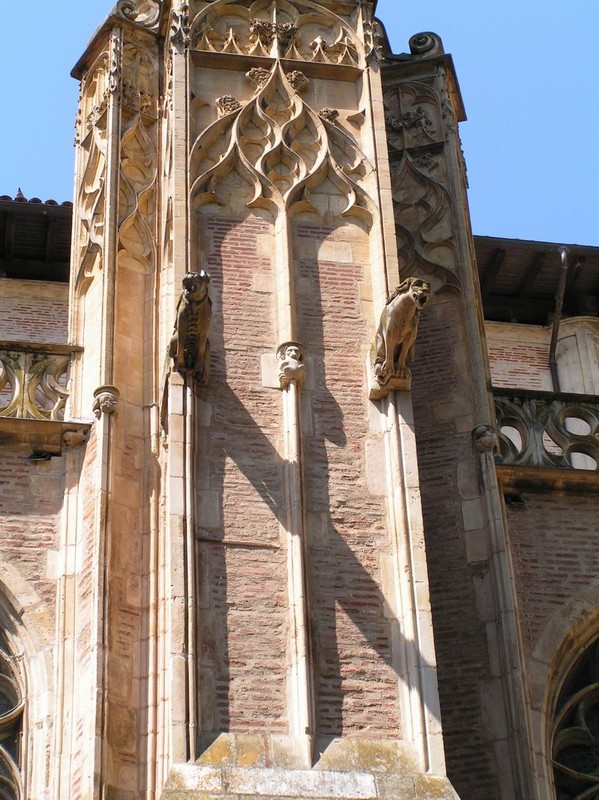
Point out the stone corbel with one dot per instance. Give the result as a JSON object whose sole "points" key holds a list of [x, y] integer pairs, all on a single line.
{"points": [[485, 439], [106, 399], [290, 357]]}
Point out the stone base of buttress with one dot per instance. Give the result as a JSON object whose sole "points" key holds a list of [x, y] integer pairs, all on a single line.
{"points": [[255, 767]]}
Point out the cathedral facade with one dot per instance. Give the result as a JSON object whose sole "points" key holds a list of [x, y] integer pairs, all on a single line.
{"points": [[299, 478]]}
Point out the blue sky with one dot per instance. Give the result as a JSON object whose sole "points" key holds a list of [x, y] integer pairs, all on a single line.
{"points": [[527, 70]]}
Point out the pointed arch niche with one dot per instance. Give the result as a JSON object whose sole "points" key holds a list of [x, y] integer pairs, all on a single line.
{"points": [[575, 730], [13, 699]]}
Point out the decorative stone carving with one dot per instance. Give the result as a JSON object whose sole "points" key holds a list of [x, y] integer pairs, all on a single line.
{"points": [[143, 12], [374, 38], [180, 25], [33, 385], [297, 80], [137, 189], [227, 104], [106, 400], [259, 76], [138, 81], [264, 31], [537, 430], [254, 141], [291, 366], [190, 346], [329, 114], [396, 337], [302, 31], [485, 439], [426, 44]]}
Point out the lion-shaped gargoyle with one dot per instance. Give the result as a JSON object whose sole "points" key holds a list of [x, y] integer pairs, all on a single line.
{"points": [[190, 347], [396, 337]]}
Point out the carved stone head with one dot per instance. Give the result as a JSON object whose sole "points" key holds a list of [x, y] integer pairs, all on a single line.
{"points": [[420, 291], [195, 286]]}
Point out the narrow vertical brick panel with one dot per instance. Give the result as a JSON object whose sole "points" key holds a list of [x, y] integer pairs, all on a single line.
{"points": [[356, 686], [440, 394], [30, 503], [555, 553], [243, 581]]}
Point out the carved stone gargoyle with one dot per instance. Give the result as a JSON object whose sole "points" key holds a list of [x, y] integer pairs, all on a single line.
{"points": [[396, 337], [190, 347]]}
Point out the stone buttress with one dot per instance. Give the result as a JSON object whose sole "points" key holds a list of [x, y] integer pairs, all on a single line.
{"points": [[250, 612]]}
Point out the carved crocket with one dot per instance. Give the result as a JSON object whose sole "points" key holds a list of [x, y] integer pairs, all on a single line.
{"points": [[396, 336], [190, 347]]}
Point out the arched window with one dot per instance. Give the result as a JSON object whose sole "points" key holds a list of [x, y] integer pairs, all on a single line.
{"points": [[575, 741], [12, 704]]}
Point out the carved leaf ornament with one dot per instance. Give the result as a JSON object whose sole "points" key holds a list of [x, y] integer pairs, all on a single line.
{"points": [[299, 31], [282, 148]]}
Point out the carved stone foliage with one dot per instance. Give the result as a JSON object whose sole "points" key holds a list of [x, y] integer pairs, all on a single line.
{"points": [[302, 31], [416, 135], [33, 385], [396, 337], [547, 431], [190, 346], [290, 356], [282, 148]]}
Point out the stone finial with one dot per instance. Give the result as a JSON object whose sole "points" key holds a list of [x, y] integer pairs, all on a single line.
{"points": [[396, 337], [291, 367], [190, 346], [106, 399], [426, 44]]}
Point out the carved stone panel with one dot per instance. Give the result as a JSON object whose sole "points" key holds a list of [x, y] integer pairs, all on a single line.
{"points": [[278, 145], [302, 31]]}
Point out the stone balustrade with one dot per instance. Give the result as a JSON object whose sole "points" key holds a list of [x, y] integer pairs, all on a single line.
{"points": [[33, 381], [542, 429]]}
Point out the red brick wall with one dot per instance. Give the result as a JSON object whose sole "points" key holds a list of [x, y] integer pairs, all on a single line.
{"points": [[355, 684], [33, 311], [243, 613], [441, 396], [519, 356], [555, 553], [30, 504]]}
